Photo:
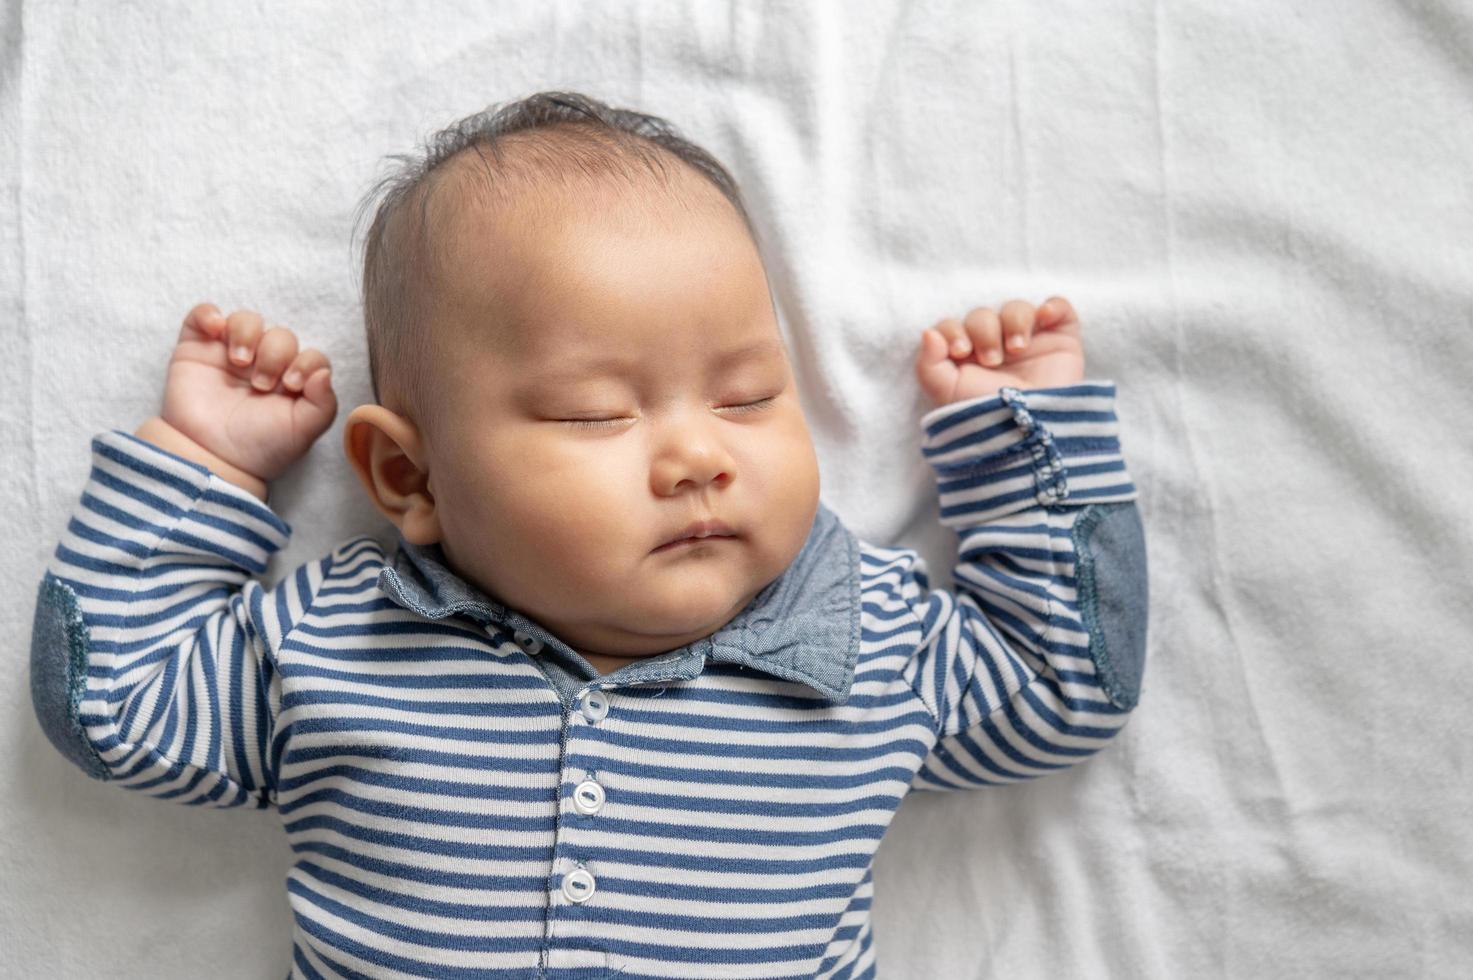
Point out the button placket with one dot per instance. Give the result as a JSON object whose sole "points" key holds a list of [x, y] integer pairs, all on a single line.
{"points": [[588, 798]]}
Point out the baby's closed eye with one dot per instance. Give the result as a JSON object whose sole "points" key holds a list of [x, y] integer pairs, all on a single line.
{"points": [[610, 421]]}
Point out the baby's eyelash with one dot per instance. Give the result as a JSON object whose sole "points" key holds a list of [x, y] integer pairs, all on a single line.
{"points": [[755, 406]]}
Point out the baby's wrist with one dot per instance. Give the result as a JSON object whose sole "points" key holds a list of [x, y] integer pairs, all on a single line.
{"points": [[165, 436]]}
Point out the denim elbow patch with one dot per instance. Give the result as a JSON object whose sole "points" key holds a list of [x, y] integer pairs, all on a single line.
{"points": [[1110, 547], [59, 641]]}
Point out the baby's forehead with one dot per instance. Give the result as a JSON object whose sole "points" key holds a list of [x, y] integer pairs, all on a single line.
{"points": [[536, 240], [528, 265], [530, 209], [535, 257]]}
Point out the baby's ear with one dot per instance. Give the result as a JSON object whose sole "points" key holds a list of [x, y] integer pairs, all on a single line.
{"points": [[387, 453]]}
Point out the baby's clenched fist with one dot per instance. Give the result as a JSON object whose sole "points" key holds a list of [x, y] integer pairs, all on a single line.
{"points": [[247, 397], [1019, 346]]}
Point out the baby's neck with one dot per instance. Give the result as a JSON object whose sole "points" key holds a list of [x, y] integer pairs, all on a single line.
{"points": [[607, 664]]}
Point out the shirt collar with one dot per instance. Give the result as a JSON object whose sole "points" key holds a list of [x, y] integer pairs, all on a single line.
{"points": [[803, 625]]}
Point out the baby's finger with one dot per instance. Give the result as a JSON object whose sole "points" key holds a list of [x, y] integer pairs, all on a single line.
{"points": [[934, 347], [274, 352], [954, 337], [301, 369], [243, 331], [1017, 324], [986, 332], [204, 319], [1055, 312]]}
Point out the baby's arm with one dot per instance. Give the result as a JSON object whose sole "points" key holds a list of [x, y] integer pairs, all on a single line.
{"points": [[153, 650], [1036, 661]]}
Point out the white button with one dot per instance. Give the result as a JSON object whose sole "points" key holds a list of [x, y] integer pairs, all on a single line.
{"points": [[595, 704], [527, 642], [578, 885], [588, 797]]}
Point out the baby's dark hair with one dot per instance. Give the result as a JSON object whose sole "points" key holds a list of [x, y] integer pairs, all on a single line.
{"points": [[562, 137]]}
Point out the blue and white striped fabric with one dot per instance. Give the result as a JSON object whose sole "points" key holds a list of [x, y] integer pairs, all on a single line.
{"points": [[703, 814]]}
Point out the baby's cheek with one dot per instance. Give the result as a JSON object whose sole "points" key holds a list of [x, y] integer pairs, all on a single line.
{"points": [[564, 520], [796, 471], [795, 497]]}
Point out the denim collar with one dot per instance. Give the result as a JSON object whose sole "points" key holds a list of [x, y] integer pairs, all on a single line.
{"points": [[803, 626]]}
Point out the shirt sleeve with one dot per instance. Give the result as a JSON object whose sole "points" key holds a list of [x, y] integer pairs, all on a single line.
{"points": [[153, 650], [1035, 661]]}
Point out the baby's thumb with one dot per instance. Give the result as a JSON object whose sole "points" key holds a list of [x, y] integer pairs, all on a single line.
{"points": [[935, 369], [318, 405]]}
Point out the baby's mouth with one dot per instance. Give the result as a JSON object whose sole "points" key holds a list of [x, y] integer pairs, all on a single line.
{"points": [[697, 532], [684, 542]]}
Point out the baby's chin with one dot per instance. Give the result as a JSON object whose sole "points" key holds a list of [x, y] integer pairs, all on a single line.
{"points": [[674, 614]]}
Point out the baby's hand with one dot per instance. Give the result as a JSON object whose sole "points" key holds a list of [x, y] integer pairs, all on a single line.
{"points": [[1043, 351], [258, 408]]}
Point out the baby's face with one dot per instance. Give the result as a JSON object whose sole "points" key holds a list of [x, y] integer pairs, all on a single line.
{"points": [[657, 332]]}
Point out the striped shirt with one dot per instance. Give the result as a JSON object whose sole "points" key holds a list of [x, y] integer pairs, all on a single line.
{"points": [[466, 797]]}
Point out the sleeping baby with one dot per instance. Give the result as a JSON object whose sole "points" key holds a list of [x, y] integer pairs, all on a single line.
{"points": [[627, 699]]}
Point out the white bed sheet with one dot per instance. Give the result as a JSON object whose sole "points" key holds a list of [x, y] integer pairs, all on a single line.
{"points": [[1263, 211]]}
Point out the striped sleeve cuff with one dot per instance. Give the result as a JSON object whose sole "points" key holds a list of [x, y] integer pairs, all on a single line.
{"points": [[1000, 454], [141, 499]]}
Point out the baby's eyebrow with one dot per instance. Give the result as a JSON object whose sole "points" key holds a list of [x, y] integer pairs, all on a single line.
{"points": [[575, 367]]}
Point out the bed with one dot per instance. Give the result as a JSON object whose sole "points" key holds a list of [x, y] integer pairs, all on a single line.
{"points": [[1262, 211]]}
